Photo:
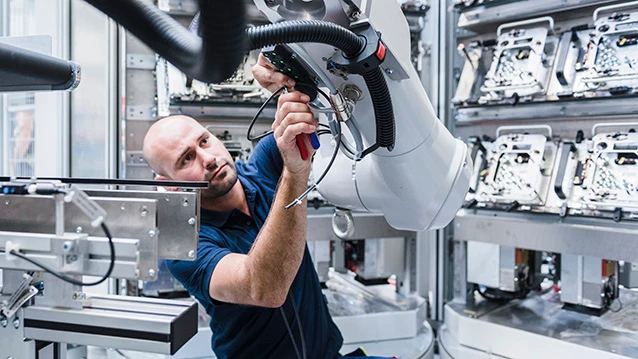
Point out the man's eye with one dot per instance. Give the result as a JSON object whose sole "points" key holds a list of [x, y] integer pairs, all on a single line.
{"points": [[205, 141], [187, 158]]}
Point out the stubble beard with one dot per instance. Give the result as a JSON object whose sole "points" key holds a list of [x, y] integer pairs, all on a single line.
{"points": [[222, 183]]}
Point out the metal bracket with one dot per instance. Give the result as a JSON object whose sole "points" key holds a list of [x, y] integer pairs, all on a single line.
{"points": [[141, 113], [140, 61]]}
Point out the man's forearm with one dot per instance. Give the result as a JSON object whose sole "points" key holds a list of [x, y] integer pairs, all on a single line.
{"points": [[276, 255]]}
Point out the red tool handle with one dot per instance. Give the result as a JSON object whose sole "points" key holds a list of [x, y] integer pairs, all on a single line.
{"points": [[302, 147]]}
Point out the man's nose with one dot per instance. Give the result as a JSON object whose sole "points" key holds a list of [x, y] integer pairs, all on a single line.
{"points": [[209, 160]]}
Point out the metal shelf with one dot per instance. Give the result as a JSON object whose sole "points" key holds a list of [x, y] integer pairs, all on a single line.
{"points": [[576, 235], [488, 14], [223, 110], [578, 108]]}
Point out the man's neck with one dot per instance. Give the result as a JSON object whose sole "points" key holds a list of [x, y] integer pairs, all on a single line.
{"points": [[234, 199]]}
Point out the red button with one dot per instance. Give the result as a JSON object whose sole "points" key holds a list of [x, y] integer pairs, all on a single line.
{"points": [[381, 51]]}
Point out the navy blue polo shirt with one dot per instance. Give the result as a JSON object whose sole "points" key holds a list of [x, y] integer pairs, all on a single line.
{"points": [[241, 331]]}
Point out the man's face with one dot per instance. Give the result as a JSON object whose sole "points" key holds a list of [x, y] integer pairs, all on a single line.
{"points": [[190, 153]]}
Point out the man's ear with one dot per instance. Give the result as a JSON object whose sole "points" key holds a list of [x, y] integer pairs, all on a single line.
{"points": [[164, 178]]}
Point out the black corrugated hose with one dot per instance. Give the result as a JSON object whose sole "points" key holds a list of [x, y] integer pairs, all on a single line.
{"points": [[212, 58], [288, 32], [351, 44], [383, 110]]}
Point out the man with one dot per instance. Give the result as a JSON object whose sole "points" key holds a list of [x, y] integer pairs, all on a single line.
{"points": [[253, 272]]}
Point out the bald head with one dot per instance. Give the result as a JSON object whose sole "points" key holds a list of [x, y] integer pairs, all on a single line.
{"points": [[164, 136]]}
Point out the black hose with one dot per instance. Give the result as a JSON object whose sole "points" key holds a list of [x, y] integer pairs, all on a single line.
{"points": [[383, 110], [296, 31], [23, 70], [212, 58]]}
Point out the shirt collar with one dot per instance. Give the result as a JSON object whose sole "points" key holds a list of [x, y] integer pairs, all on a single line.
{"points": [[219, 219]]}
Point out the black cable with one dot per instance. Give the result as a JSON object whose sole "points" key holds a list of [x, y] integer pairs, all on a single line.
{"points": [[68, 279], [325, 172], [303, 341], [299, 326], [292, 337], [261, 109], [619, 303]]}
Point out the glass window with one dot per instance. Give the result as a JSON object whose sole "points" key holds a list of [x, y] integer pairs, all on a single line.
{"points": [[31, 122]]}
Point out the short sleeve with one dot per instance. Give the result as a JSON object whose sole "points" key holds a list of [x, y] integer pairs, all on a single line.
{"points": [[266, 159], [195, 275]]}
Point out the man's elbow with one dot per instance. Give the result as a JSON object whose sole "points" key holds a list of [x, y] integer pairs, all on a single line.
{"points": [[268, 298]]}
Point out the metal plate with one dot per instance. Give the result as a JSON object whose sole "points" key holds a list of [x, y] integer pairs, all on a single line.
{"points": [[611, 55], [612, 172], [177, 220], [515, 169], [126, 218], [517, 67]]}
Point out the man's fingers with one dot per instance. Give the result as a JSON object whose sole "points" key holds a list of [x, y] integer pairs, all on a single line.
{"points": [[268, 76], [295, 96], [289, 135]]}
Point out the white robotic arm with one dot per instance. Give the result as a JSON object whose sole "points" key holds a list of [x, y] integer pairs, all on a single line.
{"points": [[422, 181], [417, 177]]}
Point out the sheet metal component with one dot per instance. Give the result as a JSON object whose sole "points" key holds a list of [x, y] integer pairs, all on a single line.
{"points": [[499, 267], [144, 324], [522, 61], [90, 256], [610, 61], [628, 274], [512, 169], [589, 282], [177, 218], [157, 225]]}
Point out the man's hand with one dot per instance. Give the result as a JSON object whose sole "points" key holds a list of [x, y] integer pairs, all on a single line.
{"points": [[294, 117], [269, 77]]}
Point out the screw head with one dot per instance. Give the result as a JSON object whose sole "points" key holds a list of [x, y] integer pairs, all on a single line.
{"points": [[4, 322], [16, 323], [389, 71], [191, 254], [191, 221], [67, 246], [151, 273], [78, 229], [151, 233], [72, 258]]}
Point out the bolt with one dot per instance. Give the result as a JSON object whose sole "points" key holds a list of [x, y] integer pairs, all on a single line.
{"points": [[4, 322], [122, 206], [72, 258], [151, 273], [185, 202], [151, 233], [191, 221], [67, 246], [78, 229], [16, 323], [191, 254], [144, 211], [389, 71]]}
